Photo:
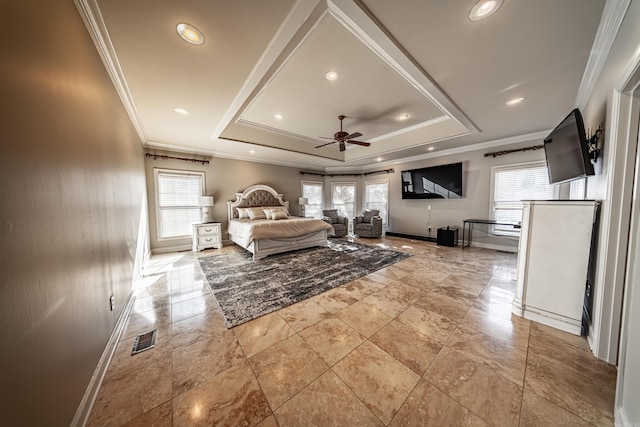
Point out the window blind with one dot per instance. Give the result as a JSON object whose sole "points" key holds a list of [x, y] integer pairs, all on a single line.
{"points": [[512, 184], [177, 202]]}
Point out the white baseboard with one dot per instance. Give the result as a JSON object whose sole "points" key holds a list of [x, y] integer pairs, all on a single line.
{"points": [[86, 404], [178, 248], [512, 249], [620, 418]]}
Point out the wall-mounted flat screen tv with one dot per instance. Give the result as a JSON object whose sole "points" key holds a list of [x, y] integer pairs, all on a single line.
{"points": [[566, 150], [435, 182]]}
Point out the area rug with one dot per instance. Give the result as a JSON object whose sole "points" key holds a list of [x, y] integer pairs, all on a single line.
{"points": [[245, 290]]}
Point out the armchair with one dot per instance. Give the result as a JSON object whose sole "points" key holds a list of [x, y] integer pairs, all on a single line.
{"points": [[339, 223], [369, 224]]}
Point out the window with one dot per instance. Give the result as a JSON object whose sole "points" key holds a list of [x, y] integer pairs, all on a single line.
{"points": [[313, 191], [343, 198], [513, 183], [177, 207], [578, 189], [376, 196]]}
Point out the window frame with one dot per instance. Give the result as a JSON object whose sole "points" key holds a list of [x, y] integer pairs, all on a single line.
{"points": [[314, 183], [385, 216], [157, 172], [505, 230]]}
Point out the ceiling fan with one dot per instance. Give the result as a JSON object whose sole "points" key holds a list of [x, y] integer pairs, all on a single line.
{"points": [[342, 137]]}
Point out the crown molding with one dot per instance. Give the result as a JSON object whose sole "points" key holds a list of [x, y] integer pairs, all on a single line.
{"points": [[467, 148], [92, 17], [223, 155], [612, 16]]}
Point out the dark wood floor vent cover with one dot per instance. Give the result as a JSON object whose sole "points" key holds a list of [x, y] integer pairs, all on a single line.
{"points": [[144, 342]]}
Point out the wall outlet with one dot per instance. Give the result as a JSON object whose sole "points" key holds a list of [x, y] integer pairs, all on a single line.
{"points": [[112, 302], [429, 229], [429, 207]]}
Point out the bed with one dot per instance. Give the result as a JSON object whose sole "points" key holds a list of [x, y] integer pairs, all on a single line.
{"points": [[280, 233]]}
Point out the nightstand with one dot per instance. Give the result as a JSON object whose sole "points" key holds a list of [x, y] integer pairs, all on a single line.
{"points": [[208, 235]]}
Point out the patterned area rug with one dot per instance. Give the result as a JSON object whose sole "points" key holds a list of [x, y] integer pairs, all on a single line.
{"points": [[246, 290]]}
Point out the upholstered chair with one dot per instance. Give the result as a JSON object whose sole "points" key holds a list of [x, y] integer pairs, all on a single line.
{"points": [[369, 224], [339, 223]]}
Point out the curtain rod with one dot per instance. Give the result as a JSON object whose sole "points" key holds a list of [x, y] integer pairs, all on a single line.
{"points": [[163, 157], [516, 150], [347, 174]]}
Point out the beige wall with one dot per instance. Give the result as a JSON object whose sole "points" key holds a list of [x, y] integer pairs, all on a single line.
{"points": [[223, 178], [72, 192], [410, 216]]}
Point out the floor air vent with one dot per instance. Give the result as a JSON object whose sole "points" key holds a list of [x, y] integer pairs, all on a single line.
{"points": [[144, 342]]}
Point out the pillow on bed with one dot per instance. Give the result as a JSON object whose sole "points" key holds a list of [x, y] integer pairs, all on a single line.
{"points": [[277, 209], [242, 213], [279, 215], [269, 213], [256, 213]]}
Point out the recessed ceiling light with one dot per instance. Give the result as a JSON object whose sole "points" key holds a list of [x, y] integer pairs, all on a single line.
{"points": [[252, 151], [431, 148], [190, 34], [403, 117], [514, 101], [332, 75], [182, 111], [278, 116], [484, 8], [379, 159]]}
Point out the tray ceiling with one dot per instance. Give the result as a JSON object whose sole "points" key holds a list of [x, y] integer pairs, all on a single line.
{"points": [[425, 60]]}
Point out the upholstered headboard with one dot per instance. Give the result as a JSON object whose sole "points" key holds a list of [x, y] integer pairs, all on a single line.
{"points": [[255, 196]]}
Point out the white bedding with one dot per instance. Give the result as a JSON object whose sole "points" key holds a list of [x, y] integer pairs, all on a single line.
{"points": [[246, 231]]}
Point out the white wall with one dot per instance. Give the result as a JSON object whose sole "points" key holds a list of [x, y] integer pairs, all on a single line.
{"points": [[611, 185]]}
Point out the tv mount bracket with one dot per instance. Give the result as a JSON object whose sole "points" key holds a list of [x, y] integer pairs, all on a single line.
{"points": [[592, 144]]}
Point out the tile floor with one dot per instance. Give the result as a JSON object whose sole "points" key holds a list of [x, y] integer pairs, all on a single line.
{"points": [[427, 341]]}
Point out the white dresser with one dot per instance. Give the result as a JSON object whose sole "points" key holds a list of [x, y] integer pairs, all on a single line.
{"points": [[208, 235], [553, 262]]}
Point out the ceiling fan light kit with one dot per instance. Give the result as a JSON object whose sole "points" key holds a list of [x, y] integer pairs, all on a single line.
{"points": [[341, 137]]}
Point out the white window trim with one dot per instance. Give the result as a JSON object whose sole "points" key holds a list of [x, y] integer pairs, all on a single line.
{"points": [[374, 182], [158, 171]]}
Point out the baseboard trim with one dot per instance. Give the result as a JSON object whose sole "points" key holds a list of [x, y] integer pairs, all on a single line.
{"points": [[86, 404], [179, 248], [620, 418], [502, 248], [410, 236]]}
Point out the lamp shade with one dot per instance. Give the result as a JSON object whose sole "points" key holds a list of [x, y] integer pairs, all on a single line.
{"points": [[205, 201], [303, 201]]}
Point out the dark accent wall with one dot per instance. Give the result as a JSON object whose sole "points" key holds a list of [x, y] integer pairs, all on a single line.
{"points": [[72, 188]]}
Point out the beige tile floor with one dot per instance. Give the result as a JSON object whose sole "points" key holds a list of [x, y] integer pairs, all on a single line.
{"points": [[427, 341]]}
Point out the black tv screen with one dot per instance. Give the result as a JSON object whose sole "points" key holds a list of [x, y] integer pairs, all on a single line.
{"points": [[436, 182], [566, 150]]}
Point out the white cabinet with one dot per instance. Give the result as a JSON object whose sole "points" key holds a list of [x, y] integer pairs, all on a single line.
{"points": [[553, 261], [208, 235]]}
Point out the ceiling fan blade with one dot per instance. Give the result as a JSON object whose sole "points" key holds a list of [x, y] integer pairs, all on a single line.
{"points": [[353, 135], [328, 143], [364, 144], [342, 147]]}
